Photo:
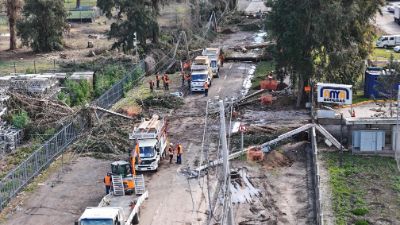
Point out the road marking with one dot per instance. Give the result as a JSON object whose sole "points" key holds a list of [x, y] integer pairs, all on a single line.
{"points": [[225, 76], [219, 90], [230, 67]]}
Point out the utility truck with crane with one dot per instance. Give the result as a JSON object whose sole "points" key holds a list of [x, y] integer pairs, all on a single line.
{"points": [[151, 138], [200, 73]]}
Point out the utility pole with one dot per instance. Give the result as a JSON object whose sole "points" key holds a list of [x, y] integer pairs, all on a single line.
{"points": [[227, 216]]}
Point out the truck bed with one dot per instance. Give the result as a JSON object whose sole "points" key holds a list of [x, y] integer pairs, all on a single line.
{"points": [[124, 202]]}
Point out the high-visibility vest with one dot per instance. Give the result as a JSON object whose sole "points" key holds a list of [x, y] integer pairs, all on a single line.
{"points": [[180, 149], [170, 151], [107, 180], [206, 85], [157, 77]]}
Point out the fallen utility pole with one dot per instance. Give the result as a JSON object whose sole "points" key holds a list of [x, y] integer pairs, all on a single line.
{"points": [[112, 113], [321, 129]]}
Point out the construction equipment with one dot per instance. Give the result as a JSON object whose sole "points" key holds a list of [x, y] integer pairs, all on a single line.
{"points": [[201, 73], [150, 137]]}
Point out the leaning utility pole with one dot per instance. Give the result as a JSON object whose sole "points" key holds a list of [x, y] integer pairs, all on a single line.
{"points": [[227, 215]]}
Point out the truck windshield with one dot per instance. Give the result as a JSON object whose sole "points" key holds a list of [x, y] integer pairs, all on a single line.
{"points": [[213, 63], [199, 77], [146, 152], [96, 222], [382, 38]]}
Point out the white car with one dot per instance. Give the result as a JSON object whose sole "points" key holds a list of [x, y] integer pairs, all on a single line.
{"points": [[397, 48]]}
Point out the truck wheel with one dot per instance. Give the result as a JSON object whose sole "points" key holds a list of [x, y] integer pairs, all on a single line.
{"points": [[135, 219], [385, 46]]}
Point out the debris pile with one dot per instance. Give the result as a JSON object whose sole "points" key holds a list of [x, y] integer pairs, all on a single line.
{"points": [[255, 154], [164, 101], [275, 159]]}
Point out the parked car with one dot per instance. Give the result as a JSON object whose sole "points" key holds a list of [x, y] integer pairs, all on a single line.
{"points": [[396, 49]]}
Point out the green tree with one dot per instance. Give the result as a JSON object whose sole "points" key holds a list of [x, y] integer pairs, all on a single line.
{"points": [[139, 16], [42, 25], [323, 39], [13, 8]]}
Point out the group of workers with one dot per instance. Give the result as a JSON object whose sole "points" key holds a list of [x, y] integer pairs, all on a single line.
{"points": [[165, 79], [179, 151]]}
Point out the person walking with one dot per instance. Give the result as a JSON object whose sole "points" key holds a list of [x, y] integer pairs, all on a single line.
{"points": [[179, 152], [170, 152], [166, 82], [158, 80], [221, 58], [107, 182], [206, 88], [151, 83]]}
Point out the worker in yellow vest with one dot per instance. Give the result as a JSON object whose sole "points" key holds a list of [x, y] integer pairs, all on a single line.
{"points": [[179, 152]]}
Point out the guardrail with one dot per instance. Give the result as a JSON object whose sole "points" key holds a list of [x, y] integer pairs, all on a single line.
{"points": [[40, 159]]}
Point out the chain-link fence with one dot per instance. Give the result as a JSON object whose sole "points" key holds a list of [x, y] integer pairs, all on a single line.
{"points": [[116, 92], [19, 177]]}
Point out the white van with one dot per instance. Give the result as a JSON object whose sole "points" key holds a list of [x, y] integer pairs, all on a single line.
{"points": [[388, 41]]}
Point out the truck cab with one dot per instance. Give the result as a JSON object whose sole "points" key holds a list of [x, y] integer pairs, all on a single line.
{"points": [[388, 41], [102, 216], [151, 137], [201, 73], [215, 63]]}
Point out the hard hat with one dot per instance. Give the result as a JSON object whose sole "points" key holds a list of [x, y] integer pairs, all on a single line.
{"points": [[171, 144]]}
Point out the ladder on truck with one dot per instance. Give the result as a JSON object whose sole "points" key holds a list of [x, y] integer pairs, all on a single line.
{"points": [[139, 184], [118, 185]]}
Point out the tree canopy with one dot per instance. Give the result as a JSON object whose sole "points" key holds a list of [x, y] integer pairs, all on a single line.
{"points": [[139, 16], [322, 39], [42, 24]]}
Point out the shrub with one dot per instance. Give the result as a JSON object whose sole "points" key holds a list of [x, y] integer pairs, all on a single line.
{"points": [[20, 120], [359, 211], [361, 222]]}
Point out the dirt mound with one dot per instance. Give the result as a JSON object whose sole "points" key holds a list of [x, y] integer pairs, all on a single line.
{"points": [[275, 159], [165, 101], [131, 111]]}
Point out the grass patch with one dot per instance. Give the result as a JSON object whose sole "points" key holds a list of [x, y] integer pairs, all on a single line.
{"points": [[262, 69], [71, 4], [359, 182], [361, 222], [75, 15], [27, 66], [384, 54], [359, 211]]}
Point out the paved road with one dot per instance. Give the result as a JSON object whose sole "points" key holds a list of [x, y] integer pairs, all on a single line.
{"points": [[386, 21]]}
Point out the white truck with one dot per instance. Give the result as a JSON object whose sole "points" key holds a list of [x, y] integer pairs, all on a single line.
{"points": [[152, 138], [397, 14], [200, 73], [215, 63], [388, 41], [114, 210]]}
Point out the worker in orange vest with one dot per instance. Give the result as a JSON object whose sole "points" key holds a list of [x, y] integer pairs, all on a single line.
{"points": [[151, 83], [179, 152], [166, 82], [206, 88], [158, 80], [107, 182], [171, 152]]}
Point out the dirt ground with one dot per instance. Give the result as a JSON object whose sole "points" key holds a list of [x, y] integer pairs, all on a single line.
{"points": [[63, 197], [173, 199]]}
